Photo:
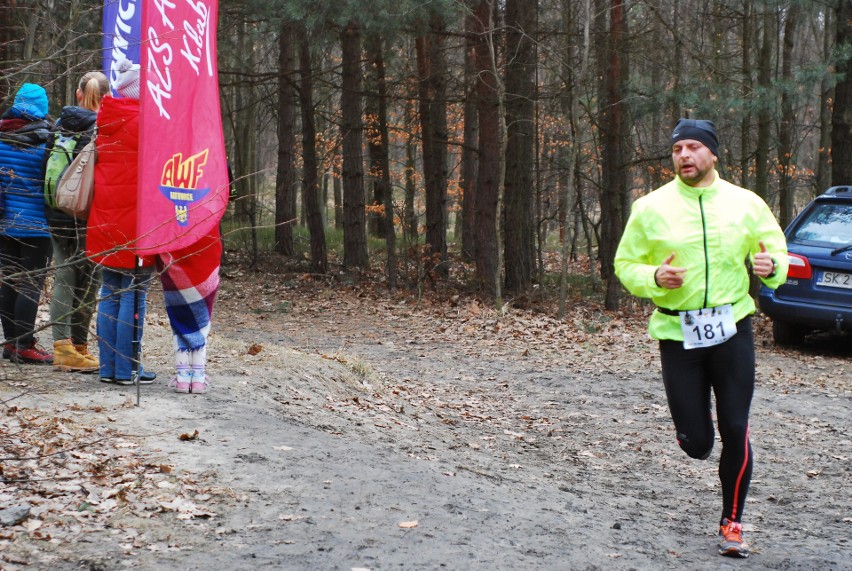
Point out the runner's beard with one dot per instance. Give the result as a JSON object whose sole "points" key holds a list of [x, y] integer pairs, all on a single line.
{"points": [[695, 178]]}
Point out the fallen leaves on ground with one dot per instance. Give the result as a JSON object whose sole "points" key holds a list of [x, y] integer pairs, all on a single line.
{"points": [[449, 359], [76, 478]]}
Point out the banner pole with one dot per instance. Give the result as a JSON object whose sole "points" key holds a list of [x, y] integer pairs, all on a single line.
{"points": [[135, 343]]}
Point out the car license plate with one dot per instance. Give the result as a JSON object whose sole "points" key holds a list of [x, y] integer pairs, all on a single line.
{"points": [[835, 279]]}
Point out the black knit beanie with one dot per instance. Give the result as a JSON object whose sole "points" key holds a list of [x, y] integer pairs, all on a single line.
{"points": [[698, 130]]}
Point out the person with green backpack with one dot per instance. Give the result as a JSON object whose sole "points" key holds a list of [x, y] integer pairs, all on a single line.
{"points": [[77, 278]]}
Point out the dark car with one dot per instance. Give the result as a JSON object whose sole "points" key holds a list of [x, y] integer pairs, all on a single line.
{"points": [[818, 291]]}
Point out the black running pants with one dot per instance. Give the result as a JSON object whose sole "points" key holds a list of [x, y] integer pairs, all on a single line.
{"points": [[728, 370]]}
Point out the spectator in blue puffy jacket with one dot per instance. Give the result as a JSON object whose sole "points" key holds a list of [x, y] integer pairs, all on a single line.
{"points": [[25, 248]]}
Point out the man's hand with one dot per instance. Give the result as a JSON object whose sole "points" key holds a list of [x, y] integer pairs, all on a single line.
{"points": [[763, 265], [668, 276]]}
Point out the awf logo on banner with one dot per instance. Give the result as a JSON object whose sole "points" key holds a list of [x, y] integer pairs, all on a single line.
{"points": [[183, 172], [180, 183]]}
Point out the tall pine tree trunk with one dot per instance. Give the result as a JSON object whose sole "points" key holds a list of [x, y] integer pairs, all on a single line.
{"points": [[380, 160], [470, 146], [786, 131], [614, 134], [488, 176], [826, 96], [313, 212], [354, 216], [431, 68], [409, 214], [520, 145], [285, 185], [245, 207], [764, 115]]}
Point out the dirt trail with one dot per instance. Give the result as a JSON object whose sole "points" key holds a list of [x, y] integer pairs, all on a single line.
{"points": [[368, 433]]}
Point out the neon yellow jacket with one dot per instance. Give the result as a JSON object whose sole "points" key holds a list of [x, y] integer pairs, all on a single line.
{"points": [[712, 230]]}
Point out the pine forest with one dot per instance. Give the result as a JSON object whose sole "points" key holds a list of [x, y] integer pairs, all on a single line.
{"points": [[496, 142]]}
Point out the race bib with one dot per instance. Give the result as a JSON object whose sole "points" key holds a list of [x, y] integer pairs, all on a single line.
{"points": [[707, 327]]}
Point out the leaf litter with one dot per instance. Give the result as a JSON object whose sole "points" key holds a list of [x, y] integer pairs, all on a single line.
{"points": [[75, 478]]}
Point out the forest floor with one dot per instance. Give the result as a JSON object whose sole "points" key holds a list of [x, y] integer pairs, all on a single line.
{"points": [[350, 428]]}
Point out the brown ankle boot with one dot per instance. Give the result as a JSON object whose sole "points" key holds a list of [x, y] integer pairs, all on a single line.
{"points": [[83, 350], [66, 358]]}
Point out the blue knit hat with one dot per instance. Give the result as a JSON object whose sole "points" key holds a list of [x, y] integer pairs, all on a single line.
{"points": [[30, 102], [697, 130]]}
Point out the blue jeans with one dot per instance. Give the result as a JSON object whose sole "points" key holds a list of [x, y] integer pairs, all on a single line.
{"points": [[115, 319]]}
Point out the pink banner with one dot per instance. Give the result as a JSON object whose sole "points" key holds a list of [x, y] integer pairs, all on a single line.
{"points": [[183, 171]]}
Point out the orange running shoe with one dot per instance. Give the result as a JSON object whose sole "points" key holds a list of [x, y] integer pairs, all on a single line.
{"points": [[731, 539]]}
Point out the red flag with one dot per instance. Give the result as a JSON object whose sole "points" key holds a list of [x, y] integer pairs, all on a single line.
{"points": [[183, 172]]}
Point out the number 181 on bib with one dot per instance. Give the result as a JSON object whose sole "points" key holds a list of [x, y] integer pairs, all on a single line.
{"points": [[707, 327]]}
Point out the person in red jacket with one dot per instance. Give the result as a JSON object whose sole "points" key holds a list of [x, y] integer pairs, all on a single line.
{"points": [[110, 235]]}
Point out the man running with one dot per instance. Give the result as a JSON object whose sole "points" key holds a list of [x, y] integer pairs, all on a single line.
{"points": [[688, 247]]}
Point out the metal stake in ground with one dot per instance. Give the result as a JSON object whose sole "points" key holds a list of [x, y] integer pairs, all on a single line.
{"points": [[136, 341]]}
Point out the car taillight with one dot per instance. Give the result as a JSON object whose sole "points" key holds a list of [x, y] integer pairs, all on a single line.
{"points": [[800, 267]]}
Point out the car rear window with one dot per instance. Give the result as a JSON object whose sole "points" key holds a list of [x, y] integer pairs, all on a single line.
{"points": [[826, 224]]}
